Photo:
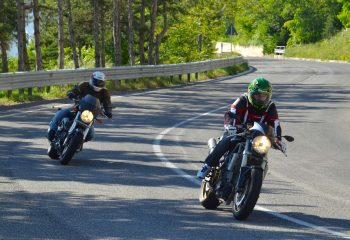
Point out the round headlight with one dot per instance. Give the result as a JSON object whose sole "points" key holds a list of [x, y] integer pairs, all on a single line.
{"points": [[87, 116], [261, 144]]}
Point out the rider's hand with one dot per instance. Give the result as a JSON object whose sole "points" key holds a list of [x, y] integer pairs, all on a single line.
{"points": [[281, 145], [231, 130], [70, 95], [108, 114]]}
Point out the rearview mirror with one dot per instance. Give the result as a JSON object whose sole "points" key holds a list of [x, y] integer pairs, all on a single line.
{"points": [[289, 138]]}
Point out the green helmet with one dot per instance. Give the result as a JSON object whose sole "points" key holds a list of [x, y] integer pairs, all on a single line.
{"points": [[259, 92]]}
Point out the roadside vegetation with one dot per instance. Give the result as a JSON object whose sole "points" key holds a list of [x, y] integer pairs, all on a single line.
{"points": [[335, 48], [57, 92]]}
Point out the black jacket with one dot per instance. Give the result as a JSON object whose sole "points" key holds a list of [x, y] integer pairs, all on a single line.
{"points": [[84, 88]]}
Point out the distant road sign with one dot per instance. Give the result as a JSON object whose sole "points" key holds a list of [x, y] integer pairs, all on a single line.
{"points": [[231, 30]]}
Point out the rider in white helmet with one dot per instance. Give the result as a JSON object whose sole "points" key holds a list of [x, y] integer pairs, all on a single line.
{"points": [[96, 87]]}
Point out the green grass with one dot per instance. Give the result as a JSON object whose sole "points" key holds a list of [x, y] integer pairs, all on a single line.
{"points": [[335, 48], [57, 92]]}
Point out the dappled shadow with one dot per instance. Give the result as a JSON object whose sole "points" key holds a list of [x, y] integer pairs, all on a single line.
{"points": [[89, 217]]}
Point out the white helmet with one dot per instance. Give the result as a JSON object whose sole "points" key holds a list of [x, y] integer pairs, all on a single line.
{"points": [[98, 81]]}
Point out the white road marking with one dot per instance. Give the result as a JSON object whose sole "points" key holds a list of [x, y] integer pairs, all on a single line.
{"points": [[158, 152]]}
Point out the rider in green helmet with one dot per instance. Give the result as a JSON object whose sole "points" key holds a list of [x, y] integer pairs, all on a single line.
{"points": [[254, 106], [259, 92]]}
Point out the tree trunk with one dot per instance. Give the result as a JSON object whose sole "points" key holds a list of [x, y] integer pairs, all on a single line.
{"points": [[38, 56], [96, 33], [162, 33], [151, 32], [5, 66], [20, 34], [60, 35], [103, 23], [20, 38], [131, 32], [116, 33], [71, 34], [142, 33]]}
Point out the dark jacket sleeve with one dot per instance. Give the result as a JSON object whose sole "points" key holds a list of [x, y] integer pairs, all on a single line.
{"points": [[76, 92], [107, 103]]}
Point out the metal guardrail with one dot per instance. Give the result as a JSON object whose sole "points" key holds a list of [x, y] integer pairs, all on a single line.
{"points": [[18, 80]]}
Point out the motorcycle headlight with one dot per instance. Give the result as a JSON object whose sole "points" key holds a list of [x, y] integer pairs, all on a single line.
{"points": [[87, 116], [261, 144]]}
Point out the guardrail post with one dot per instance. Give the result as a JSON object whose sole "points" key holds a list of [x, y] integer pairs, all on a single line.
{"points": [[196, 76], [188, 77], [117, 84], [180, 77]]}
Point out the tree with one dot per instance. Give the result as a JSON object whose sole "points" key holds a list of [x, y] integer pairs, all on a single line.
{"points": [[36, 12], [117, 33], [131, 32], [308, 23], [72, 34], [8, 17], [60, 34], [344, 15], [142, 30], [151, 32], [96, 33], [160, 36]]}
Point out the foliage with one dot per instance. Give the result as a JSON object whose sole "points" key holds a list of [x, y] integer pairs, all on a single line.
{"points": [[335, 48], [193, 26], [312, 19], [344, 15], [193, 36]]}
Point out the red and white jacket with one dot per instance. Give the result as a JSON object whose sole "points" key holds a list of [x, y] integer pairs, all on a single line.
{"points": [[242, 112]]}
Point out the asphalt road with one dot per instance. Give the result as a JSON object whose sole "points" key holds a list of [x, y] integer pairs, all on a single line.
{"points": [[136, 179]]}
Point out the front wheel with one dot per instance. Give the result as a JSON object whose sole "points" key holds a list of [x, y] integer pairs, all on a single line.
{"points": [[207, 196], [69, 150], [52, 153], [245, 200]]}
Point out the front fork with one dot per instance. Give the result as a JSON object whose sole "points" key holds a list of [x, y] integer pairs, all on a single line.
{"points": [[85, 130], [245, 170]]}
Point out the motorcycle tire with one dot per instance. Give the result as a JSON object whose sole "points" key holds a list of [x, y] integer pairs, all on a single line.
{"points": [[245, 200], [52, 153], [69, 151], [207, 196]]}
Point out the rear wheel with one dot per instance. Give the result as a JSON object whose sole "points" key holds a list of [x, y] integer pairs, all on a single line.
{"points": [[245, 200], [69, 150], [207, 196]]}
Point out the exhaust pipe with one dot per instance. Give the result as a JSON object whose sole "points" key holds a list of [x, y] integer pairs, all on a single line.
{"points": [[211, 144]]}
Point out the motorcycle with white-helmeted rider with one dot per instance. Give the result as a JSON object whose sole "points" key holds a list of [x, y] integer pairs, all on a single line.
{"points": [[71, 127]]}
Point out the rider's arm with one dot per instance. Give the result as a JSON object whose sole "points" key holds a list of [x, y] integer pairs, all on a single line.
{"points": [[75, 92], [273, 120], [107, 104], [235, 114]]}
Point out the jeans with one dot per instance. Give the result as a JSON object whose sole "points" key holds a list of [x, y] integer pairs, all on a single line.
{"points": [[66, 113], [226, 143]]}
